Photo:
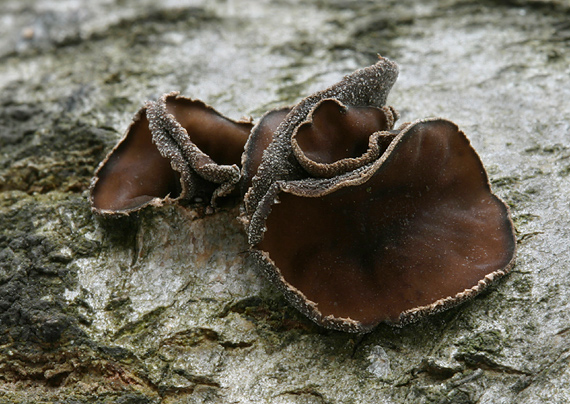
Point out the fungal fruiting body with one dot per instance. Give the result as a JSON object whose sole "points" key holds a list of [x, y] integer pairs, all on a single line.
{"points": [[356, 222], [134, 174], [368, 87], [176, 150], [415, 231]]}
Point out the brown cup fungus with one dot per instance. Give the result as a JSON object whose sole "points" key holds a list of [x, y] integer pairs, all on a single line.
{"points": [[176, 150], [261, 136], [356, 222]]}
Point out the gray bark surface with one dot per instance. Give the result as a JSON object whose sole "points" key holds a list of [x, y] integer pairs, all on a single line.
{"points": [[164, 306]]}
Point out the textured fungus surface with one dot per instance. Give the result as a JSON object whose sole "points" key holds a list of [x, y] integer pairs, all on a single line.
{"points": [[373, 224], [416, 231], [203, 145], [338, 138], [162, 307], [134, 174], [175, 149], [358, 223], [367, 87], [260, 137]]}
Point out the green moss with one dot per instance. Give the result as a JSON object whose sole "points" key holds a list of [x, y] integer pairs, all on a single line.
{"points": [[524, 218], [488, 341], [507, 181], [145, 325]]}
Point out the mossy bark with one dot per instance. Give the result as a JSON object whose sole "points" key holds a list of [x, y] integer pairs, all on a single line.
{"points": [[164, 306]]}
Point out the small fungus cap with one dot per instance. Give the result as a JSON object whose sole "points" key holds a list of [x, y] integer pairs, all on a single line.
{"points": [[134, 173], [177, 149], [202, 144], [338, 138], [367, 87]]}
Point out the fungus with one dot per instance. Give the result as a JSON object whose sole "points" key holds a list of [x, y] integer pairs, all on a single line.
{"points": [[261, 136], [359, 224], [176, 149], [355, 222], [337, 137], [367, 87], [134, 174]]}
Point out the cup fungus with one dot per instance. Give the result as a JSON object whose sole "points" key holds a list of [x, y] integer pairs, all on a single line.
{"points": [[368, 87], [261, 136], [134, 174], [176, 149], [355, 222]]}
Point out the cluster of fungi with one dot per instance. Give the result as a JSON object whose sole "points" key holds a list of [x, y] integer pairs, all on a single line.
{"points": [[356, 222]]}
